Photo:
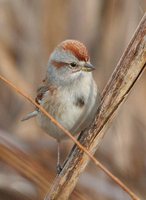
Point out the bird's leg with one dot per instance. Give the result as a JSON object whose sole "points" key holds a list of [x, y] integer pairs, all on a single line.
{"points": [[59, 168]]}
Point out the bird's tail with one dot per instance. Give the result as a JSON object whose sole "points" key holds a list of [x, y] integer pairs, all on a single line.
{"points": [[30, 115]]}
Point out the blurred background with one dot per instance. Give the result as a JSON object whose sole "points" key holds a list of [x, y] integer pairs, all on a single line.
{"points": [[29, 31]]}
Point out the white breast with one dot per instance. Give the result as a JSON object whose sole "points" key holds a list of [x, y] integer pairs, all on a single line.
{"points": [[63, 108]]}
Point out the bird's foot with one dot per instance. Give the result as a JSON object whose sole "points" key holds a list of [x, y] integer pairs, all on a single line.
{"points": [[59, 169]]}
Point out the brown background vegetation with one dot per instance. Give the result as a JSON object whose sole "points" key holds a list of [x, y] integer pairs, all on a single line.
{"points": [[29, 30]]}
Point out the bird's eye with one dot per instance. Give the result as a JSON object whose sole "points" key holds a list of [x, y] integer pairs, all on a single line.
{"points": [[73, 64]]}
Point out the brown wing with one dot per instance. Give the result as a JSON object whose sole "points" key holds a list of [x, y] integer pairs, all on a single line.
{"points": [[40, 92]]}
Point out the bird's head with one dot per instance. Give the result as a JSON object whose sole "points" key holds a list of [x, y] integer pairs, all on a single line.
{"points": [[69, 62]]}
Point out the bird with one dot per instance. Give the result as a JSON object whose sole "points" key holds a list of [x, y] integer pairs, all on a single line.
{"points": [[69, 92]]}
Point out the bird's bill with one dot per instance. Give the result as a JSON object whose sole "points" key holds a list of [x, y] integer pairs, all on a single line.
{"points": [[88, 67]]}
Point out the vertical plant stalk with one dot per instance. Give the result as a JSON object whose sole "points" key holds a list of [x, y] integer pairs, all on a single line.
{"points": [[125, 75]]}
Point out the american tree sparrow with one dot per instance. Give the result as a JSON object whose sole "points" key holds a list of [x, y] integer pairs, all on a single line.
{"points": [[68, 93]]}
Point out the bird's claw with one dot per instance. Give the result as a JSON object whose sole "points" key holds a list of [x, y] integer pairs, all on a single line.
{"points": [[59, 169]]}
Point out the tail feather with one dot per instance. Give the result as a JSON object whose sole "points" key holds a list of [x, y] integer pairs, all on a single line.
{"points": [[30, 115]]}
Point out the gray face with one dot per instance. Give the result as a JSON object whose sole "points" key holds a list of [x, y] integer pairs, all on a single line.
{"points": [[64, 68]]}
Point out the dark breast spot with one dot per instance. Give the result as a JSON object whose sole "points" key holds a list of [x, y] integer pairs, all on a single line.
{"points": [[79, 102]]}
